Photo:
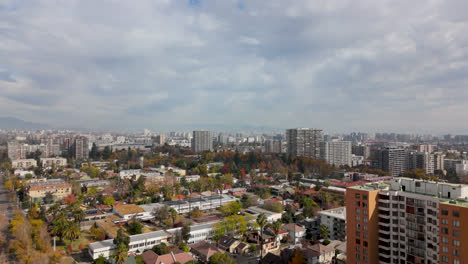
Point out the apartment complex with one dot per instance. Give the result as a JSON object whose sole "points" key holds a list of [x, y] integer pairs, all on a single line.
{"points": [[23, 163], [17, 150], [335, 220], [57, 162], [304, 142], [273, 146], [407, 221], [57, 187], [202, 141], [394, 160], [336, 153], [421, 160], [81, 148]]}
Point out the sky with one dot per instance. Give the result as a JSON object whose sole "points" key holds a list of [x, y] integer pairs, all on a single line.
{"points": [[357, 65]]}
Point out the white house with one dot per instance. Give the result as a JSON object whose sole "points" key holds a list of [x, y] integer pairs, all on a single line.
{"points": [[295, 232]]}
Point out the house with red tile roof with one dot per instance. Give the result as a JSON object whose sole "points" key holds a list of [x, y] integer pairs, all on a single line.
{"points": [[149, 257]]}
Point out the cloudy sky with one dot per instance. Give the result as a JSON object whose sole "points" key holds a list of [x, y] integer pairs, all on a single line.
{"points": [[370, 65]]}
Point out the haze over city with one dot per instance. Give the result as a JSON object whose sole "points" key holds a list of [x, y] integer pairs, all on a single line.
{"points": [[339, 65]]}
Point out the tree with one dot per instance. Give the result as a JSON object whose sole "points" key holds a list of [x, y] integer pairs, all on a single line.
{"points": [[121, 252], [297, 258], [276, 227], [161, 213], [173, 214], [49, 198], [108, 200], [186, 232], [324, 231], [135, 227], [100, 260], [71, 231], [79, 215], [97, 233], [222, 258], [69, 199], [231, 208], [195, 213], [161, 249], [308, 207], [262, 222], [273, 206]]}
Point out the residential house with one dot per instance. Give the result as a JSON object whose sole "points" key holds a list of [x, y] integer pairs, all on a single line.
{"points": [[269, 242], [204, 250], [295, 232], [228, 243], [319, 254], [149, 257]]}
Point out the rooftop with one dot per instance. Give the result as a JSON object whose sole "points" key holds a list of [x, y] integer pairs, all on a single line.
{"points": [[126, 209]]}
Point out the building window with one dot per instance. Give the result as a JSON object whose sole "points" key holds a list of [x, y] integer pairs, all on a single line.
{"points": [[364, 227], [358, 226], [364, 204], [456, 261], [364, 235], [445, 240], [358, 234], [456, 213], [456, 252], [358, 218], [456, 233], [456, 223], [358, 196], [358, 203], [364, 197], [444, 212], [445, 231], [445, 259], [365, 212], [365, 251], [456, 243], [358, 249], [358, 211], [445, 249], [445, 221]]}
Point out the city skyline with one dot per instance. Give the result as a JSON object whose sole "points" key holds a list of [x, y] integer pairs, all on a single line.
{"points": [[348, 65]]}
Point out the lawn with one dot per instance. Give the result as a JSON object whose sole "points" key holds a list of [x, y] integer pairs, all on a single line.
{"points": [[84, 240]]}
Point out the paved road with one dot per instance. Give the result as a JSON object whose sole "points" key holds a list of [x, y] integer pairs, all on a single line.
{"points": [[6, 207]]}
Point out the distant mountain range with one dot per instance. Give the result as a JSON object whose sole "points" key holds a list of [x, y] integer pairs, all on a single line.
{"points": [[15, 123]]}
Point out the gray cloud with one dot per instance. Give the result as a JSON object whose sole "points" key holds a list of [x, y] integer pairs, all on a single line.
{"points": [[341, 65]]}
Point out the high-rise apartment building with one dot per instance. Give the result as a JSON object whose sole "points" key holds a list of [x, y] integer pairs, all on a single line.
{"points": [[361, 150], [421, 160], [439, 161], [14, 150], [304, 142], [273, 146], [394, 160], [202, 141], [407, 221], [336, 153], [81, 148]]}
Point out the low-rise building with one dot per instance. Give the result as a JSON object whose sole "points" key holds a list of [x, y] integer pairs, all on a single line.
{"points": [[295, 232], [57, 187], [188, 178], [23, 163], [49, 162], [129, 211], [149, 257], [319, 254], [204, 250], [271, 216], [335, 220]]}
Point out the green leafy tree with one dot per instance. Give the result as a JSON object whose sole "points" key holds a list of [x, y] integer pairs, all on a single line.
{"points": [[186, 232], [49, 198], [276, 227], [108, 200], [222, 258], [324, 231], [273, 206], [173, 214], [160, 249], [135, 227], [231, 208], [308, 207]]}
